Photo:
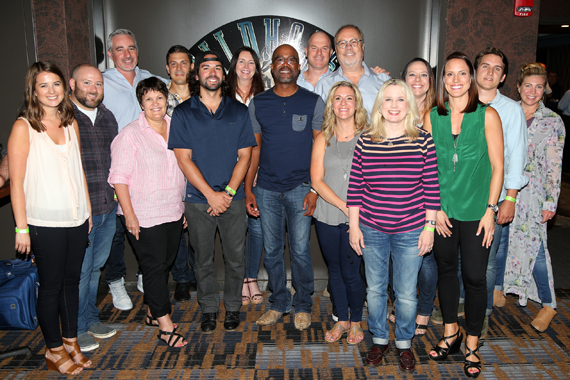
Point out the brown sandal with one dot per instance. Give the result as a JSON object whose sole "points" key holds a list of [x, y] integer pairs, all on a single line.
{"points": [[54, 366], [337, 326], [353, 331], [245, 300], [256, 299], [76, 351]]}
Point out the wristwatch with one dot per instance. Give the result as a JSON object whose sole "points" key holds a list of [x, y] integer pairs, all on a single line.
{"points": [[495, 208]]}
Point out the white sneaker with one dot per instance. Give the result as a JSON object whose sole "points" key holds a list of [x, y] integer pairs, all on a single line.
{"points": [[139, 283], [121, 299]]}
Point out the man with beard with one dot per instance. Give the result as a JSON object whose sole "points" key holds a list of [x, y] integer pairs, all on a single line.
{"points": [[178, 66], [285, 120], [208, 132], [97, 129], [349, 42]]}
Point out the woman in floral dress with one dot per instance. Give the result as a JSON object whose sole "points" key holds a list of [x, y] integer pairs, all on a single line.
{"points": [[529, 271]]}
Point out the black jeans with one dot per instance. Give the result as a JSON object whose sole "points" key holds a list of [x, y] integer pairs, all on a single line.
{"points": [[59, 253], [156, 250], [474, 259]]}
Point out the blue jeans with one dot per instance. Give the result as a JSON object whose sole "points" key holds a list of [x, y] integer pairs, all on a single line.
{"points": [[492, 266], [254, 244], [403, 248], [427, 284], [100, 240], [501, 258], [181, 272], [344, 270], [540, 274], [274, 209]]}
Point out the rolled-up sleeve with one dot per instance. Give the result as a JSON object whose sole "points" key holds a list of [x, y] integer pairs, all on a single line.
{"points": [[123, 159]]}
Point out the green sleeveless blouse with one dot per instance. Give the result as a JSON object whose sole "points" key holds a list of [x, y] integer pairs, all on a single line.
{"points": [[464, 192]]}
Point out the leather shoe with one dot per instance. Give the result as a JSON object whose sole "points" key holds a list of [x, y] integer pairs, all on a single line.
{"points": [[231, 321], [182, 292], [407, 360], [209, 322], [376, 353]]}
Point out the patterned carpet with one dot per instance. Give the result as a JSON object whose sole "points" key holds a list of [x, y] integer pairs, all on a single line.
{"points": [[513, 350]]}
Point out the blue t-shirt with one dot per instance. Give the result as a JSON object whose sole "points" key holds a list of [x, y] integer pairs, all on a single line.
{"points": [[286, 125], [214, 140]]}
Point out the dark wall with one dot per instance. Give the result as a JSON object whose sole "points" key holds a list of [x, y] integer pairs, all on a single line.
{"points": [[473, 25], [395, 30]]}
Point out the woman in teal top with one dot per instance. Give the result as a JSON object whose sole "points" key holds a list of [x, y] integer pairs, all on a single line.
{"points": [[468, 139]]}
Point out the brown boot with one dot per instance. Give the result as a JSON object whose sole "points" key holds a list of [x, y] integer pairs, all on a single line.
{"points": [[543, 318], [499, 298]]}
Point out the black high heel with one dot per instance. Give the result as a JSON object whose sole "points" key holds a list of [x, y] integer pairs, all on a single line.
{"points": [[442, 352], [470, 364]]}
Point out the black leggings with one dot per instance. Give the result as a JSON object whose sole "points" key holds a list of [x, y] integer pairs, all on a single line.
{"points": [[59, 253], [474, 259], [156, 250]]}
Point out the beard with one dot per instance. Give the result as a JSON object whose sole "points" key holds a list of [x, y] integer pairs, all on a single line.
{"points": [[211, 87], [81, 97]]}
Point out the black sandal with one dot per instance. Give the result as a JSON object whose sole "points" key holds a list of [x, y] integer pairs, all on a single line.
{"points": [[470, 364], [150, 321], [421, 327], [442, 352], [173, 335]]}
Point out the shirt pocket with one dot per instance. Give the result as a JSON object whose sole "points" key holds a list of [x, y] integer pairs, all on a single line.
{"points": [[299, 122]]}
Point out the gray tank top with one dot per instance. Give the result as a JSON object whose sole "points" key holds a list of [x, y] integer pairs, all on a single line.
{"points": [[337, 162]]}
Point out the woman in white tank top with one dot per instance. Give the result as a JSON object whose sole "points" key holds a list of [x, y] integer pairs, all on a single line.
{"points": [[51, 208]]}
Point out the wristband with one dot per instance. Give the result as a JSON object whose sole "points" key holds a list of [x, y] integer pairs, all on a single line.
{"points": [[514, 200], [228, 193], [115, 196], [432, 222], [23, 230], [430, 229], [230, 190], [314, 191]]}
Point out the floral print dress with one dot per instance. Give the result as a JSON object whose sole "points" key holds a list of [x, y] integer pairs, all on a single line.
{"points": [[544, 169]]}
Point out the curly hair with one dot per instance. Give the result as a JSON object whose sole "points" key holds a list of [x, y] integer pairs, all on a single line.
{"points": [[33, 110], [328, 128], [377, 130]]}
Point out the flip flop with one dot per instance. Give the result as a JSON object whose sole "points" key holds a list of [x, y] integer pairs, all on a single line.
{"points": [[354, 330], [337, 326]]}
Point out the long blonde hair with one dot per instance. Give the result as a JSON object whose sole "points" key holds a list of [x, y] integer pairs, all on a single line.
{"points": [[328, 128], [377, 128]]}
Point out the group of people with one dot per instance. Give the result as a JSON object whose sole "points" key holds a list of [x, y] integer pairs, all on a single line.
{"points": [[410, 189]]}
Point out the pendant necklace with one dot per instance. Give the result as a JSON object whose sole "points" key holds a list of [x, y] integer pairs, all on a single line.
{"points": [[342, 164], [455, 159]]}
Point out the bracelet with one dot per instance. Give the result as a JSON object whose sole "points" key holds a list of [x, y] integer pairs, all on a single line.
{"points": [[432, 222], [230, 190], [430, 229], [314, 191], [115, 196], [514, 200], [228, 193], [23, 230]]}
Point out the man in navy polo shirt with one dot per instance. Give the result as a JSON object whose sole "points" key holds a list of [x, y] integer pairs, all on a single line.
{"points": [[212, 138], [285, 120]]}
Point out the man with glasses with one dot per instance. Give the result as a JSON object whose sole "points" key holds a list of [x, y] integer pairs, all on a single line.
{"points": [[349, 44], [285, 120]]}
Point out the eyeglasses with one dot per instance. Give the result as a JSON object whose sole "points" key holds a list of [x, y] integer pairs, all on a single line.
{"points": [[280, 61], [354, 43]]}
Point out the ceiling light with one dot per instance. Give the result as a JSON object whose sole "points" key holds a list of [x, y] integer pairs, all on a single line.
{"points": [[565, 26]]}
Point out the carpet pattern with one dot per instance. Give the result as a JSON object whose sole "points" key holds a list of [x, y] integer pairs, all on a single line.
{"points": [[512, 350]]}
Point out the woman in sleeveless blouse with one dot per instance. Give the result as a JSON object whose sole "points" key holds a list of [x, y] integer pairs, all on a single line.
{"points": [[344, 120], [469, 142], [51, 208], [245, 81]]}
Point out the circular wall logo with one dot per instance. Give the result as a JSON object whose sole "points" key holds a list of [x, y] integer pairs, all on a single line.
{"points": [[263, 34]]}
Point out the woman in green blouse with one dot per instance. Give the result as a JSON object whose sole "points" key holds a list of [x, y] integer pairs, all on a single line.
{"points": [[469, 142]]}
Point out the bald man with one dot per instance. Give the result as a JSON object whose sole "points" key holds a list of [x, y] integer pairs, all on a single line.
{"points": [[97, 129], [282, 160]]}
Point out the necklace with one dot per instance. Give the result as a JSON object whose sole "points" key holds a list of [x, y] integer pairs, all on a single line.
{"points": [[343, 166], [455, 159]]}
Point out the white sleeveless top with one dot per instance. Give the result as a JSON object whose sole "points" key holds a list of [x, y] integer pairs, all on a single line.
{"points": [[54, 185]]}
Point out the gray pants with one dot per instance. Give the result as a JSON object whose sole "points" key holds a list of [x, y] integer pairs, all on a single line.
{"points": [[202, 231]]}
